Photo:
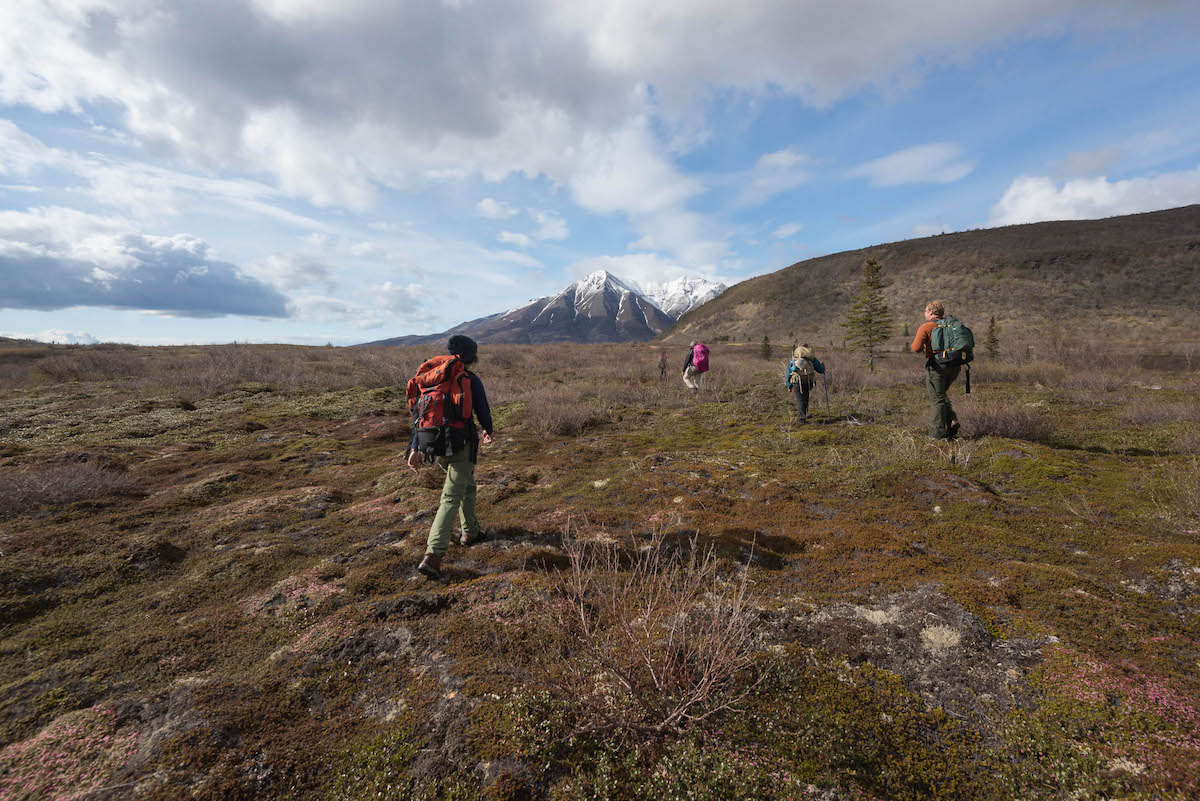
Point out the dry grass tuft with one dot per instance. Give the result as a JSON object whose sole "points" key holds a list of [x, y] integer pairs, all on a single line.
{"points": [[650, 640], [61, 484]]}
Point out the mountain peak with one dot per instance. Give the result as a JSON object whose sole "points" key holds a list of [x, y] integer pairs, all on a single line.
{"points": [[683, 294]]}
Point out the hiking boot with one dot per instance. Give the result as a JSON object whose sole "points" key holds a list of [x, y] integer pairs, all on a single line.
{"points": [[953, 430], [467, 539], [802, 421], [431, 566]]}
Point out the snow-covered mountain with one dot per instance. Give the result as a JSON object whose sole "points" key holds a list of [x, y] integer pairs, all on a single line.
{"points": [[680, 296], [598, 308]]}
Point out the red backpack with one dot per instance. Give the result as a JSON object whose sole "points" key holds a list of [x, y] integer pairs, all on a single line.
{"points": [[439, 398], [700, 357]]}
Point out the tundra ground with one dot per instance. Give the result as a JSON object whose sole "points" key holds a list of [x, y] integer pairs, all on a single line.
{"points": [[207, 585]]}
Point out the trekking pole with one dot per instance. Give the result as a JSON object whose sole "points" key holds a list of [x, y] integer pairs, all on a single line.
{"points": [[825, 381]]}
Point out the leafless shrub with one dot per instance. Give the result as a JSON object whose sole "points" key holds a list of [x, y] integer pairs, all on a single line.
{"points": [[989, 371], [558, 413], [60, 484], [1010, 420], [650, 640], [1177, 500], [1145, 411]]}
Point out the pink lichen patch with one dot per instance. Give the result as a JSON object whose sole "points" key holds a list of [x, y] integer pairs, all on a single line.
{"points": [[304, 499], [69, 758], [293, 594], [1157, 725], [328, 632], [382, 508]]}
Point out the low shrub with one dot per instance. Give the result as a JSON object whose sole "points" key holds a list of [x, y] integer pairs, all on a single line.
{"points": [[1178, 497], [1009, 420], [61, 484], [558, 413], [1146, 411]]}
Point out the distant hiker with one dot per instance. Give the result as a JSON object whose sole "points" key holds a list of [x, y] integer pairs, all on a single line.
{"points": [[442, 398], [800, 377], [947, 345], [662, 365], [695, 365]]}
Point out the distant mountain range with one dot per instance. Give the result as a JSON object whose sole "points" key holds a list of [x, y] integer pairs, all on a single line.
{"points": [[1131, 280], [598, 308]]}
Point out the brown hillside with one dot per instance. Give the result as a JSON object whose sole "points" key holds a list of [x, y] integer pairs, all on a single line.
{"points": [[1124, 279]]}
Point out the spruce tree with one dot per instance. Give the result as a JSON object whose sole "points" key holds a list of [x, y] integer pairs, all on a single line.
{"points": [[991, 342], [869, 320], [765, 348]]}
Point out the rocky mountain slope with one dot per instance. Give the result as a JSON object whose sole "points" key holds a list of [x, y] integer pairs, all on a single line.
{"points": [[1123, 279], [598, 308]]}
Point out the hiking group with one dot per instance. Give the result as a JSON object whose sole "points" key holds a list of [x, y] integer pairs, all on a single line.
{"points": [[446, 401]]}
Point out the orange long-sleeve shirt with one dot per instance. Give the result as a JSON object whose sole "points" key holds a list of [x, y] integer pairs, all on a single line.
{"points": [[923, 341]]}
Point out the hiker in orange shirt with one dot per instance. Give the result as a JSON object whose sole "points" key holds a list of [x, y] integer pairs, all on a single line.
{"points": [[938, 377]]}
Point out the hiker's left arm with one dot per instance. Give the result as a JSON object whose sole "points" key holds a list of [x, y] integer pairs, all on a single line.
{"points": [[820, 368], [479, 402]]}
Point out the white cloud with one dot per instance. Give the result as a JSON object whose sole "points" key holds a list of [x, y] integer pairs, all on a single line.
{"points": [[494, 209], [938, 163], [325, 310], [773, 174], [787, 230], [20, 153], [55, 335], [406, 299], [1085, 164], [1037, 199], [550, 226], [511, 238], [289, 271]]}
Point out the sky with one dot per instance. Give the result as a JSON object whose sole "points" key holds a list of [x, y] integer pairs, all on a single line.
{"points": [[312, 172]]}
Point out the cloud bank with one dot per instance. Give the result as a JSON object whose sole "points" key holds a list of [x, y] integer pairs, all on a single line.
{"points": [[57, 258], [1038, 198]]}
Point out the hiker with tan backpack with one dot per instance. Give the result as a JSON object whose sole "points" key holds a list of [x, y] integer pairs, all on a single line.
{"points": [[442, 397], [801, 376]]}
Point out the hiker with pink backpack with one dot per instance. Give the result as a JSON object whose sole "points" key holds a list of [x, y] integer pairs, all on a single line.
{"points": [[695, 365]]}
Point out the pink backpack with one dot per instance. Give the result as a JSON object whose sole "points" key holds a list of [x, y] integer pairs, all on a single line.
{"points": [[700, 357]]}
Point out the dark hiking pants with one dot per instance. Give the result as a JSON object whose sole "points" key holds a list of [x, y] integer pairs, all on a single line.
{"points": [[938, 378], [801, 390]]}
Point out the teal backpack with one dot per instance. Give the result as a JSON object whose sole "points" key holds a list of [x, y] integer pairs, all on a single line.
{"points": [[952, 342]]}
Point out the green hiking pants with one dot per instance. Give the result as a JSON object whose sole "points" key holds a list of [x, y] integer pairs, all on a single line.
{"points": [[458, 496], [938, 378]]}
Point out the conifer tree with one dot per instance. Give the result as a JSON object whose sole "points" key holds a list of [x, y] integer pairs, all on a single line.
{"points": [[991, 343], [869, 320], [765, 348]]}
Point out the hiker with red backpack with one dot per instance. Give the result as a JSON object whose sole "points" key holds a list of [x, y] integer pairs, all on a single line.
{"points": [[947, 345], [442, 398], [695, 365]]}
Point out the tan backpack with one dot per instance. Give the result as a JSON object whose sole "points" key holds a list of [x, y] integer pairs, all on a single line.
{"points": [[802, 364]]}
